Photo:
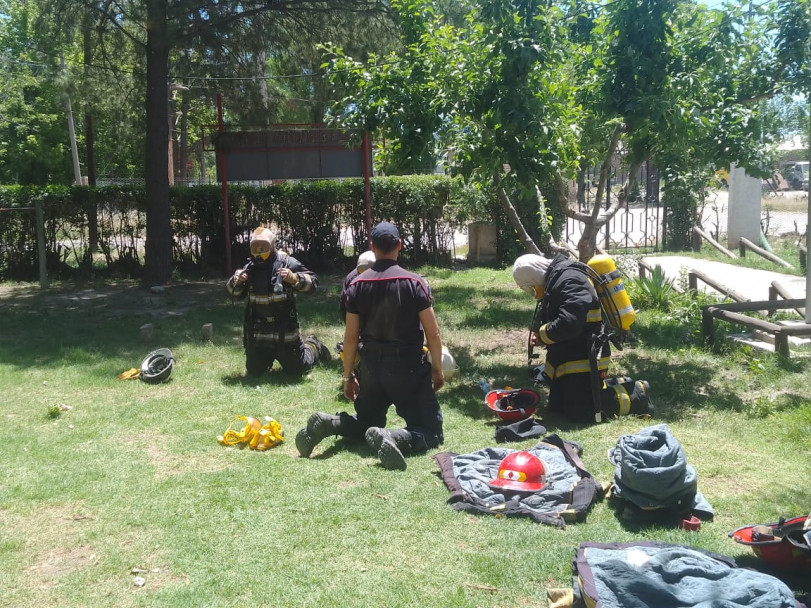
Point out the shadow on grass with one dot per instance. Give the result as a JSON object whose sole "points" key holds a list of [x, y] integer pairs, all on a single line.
{"points": [[331, 446], [99, 327], [41, 328], [677, 389], [488, 308], [276, 377], [95, 325], [652, 520]]}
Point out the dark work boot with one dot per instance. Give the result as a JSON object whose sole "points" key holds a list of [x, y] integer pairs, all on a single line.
{"points": [[640, 399], [389, 446], [322, 354], [256, 363], [319, 426]]}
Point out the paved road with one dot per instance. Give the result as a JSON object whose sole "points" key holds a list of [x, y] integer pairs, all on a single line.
{"points": [[634, 228], [775, 223], [751, 283]]}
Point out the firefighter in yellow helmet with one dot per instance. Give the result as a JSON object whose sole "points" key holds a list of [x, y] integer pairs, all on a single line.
{"points": [[270, 282]]}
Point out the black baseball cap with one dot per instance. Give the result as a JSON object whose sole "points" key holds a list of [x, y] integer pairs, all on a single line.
{"points": [[385, 232]]}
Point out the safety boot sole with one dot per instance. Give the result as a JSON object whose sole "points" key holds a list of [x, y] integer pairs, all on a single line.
{"points": [[381, 441], [305, 443], [319, 426]]}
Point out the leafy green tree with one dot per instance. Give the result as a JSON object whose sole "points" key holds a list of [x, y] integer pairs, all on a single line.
{"points": [[793, 42], [161, 31], [720, 75], [33, 126], [476, 90], [791, 115], [529, 94]]}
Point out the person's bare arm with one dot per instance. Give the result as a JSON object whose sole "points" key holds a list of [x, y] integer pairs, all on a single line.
{"points": [[431, 329], [351, 336]]}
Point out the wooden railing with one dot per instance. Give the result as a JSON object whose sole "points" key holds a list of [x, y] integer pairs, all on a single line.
{"points": [[776, 289], [732, 312], [694, 275], [745, 244]]}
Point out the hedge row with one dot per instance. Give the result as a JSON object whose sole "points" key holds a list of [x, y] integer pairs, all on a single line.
{"points": [[320, 222]]}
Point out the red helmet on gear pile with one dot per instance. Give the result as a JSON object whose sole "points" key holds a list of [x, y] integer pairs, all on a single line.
{"points": [[520, 472]]}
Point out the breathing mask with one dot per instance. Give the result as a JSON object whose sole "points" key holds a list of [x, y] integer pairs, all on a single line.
{"points": [[263, 243]]}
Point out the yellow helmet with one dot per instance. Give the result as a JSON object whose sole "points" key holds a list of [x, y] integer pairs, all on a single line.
{"points": [[263, 243]]}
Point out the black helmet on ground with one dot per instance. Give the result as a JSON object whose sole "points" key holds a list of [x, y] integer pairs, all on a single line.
{"points": [[157, 366]]}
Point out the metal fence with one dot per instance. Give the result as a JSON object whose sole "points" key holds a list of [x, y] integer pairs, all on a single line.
{"points": [[637, 224]]}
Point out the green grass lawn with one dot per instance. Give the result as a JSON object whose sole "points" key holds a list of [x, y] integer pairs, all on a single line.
{"points": [[127, 479]]}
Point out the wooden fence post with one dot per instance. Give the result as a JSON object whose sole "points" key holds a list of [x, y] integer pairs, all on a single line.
{"points": [[43, 270], [781, 344], [707, 325]]}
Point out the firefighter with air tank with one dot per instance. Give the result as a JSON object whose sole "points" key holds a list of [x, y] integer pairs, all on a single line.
{"points": [[569, 323]]}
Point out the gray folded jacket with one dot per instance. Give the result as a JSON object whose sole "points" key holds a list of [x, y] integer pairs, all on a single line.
{"points": [[652, 472]]}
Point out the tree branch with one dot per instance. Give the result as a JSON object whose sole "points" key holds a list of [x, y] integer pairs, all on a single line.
{"points": [[512, 214]]}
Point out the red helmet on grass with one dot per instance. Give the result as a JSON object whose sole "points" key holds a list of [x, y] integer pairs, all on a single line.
{"points": [[781, 544], [512, 405], [520, 472]]}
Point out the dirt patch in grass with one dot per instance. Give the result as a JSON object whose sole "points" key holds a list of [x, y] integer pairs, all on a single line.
{"points": [[55, 563], [499, 340], [61, 524], [343, 484], [60, 521], [168, 464], [155, 579]]}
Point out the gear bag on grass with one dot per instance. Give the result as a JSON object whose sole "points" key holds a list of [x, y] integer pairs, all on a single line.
{"points": [[568, 493], [653, 479], [649, 574]]}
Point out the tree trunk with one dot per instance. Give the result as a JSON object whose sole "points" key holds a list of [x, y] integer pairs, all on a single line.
{"points": [[158, 258], [587, 246], [595, 220], [581, 188], [512, 215], [93, 211]]}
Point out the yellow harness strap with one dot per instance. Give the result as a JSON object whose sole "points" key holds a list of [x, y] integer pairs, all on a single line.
{"points": [[623, 399], [269, 435], [131, 374], [257, 434]]}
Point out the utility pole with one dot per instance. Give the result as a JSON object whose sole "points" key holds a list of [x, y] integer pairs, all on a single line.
{"points": [[77, 170], [808, 222], [173, 88]]}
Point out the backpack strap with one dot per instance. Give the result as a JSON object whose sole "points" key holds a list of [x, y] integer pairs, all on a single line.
{"points": [[597, 343], [586, 491], [571, 454]]}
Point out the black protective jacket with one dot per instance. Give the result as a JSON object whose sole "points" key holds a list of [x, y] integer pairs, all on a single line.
{"points": [[567, 319], [270, 311]]}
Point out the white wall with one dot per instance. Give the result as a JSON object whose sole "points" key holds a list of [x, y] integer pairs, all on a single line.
{"points": [[743, 217]]}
